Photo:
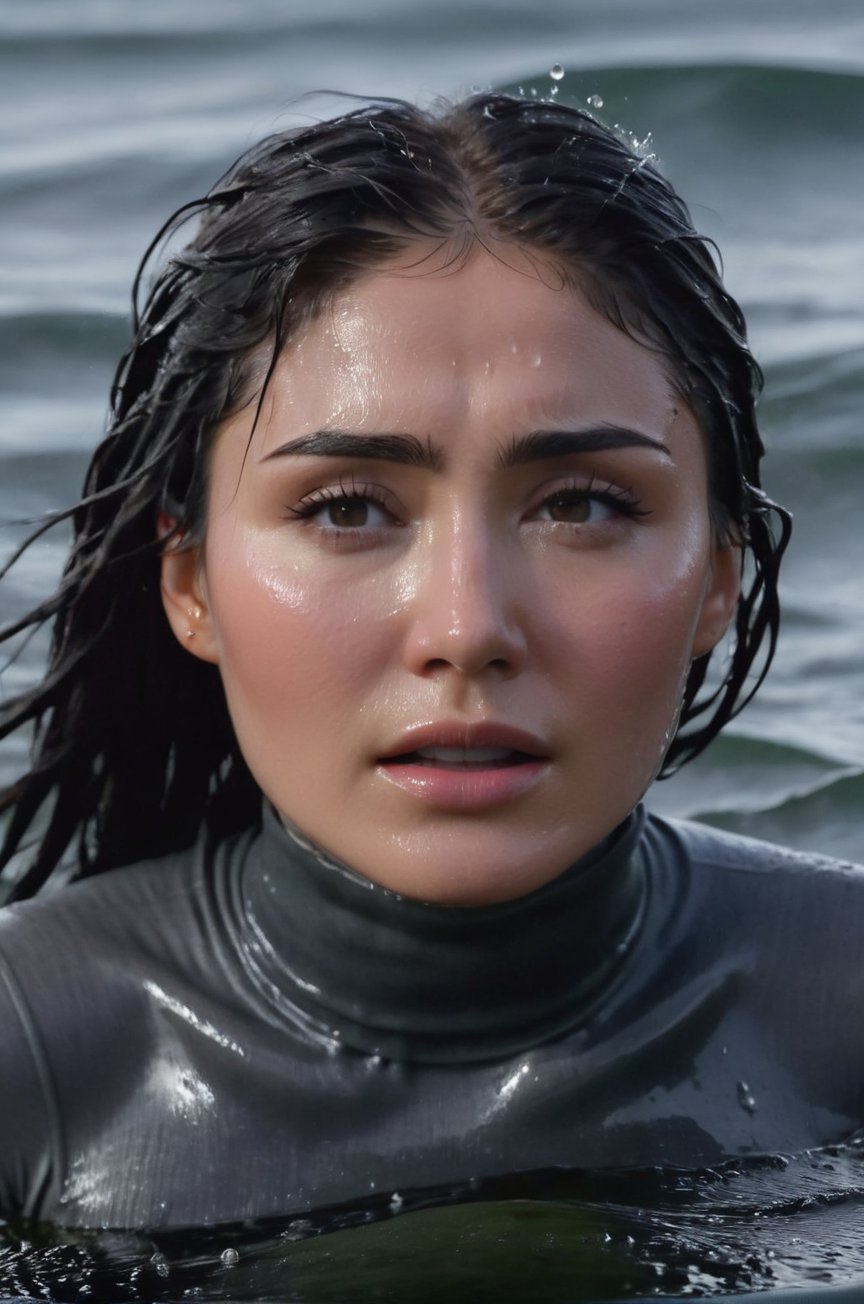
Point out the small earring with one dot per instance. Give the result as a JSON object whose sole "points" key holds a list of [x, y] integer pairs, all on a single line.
{"points": [[194, 614]]}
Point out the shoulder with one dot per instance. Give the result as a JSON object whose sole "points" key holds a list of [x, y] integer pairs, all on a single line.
{"points": [[125, 901], [85, 941], [706, 849], [740, 887], [118, 902]]}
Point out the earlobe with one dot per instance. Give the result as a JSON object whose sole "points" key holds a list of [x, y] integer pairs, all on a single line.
{"points": [[184, 597], [721, 598]]}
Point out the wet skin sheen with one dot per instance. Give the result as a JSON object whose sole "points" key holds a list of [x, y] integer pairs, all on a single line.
{"points": [[247, 1029], [351, 601]]}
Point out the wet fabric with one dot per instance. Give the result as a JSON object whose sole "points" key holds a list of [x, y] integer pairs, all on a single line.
{"points": [[248, 1029]]}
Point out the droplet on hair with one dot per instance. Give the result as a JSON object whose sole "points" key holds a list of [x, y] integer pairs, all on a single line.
{"points": [[596, 101]]}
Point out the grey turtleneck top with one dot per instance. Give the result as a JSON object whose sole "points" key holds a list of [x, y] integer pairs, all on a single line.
{"points": [[249, 1029]]}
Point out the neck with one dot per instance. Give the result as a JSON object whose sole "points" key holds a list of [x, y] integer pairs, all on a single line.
{"points": [[356, 964]]}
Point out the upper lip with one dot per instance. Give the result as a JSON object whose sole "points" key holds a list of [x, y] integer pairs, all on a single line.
{"points": [[484, 733]]}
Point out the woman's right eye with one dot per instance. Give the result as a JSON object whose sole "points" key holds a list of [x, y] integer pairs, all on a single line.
{"points": [[352, 513], [340, 510]]}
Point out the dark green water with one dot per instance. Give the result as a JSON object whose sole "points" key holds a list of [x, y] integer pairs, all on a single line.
{"points": [[113, 113], [554, 1236]]}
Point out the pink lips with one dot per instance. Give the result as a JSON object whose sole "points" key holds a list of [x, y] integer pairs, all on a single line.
{"points": [[463, 767]]}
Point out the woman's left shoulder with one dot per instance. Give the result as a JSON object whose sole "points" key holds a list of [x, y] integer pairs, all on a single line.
{"points": [[709, 848]]}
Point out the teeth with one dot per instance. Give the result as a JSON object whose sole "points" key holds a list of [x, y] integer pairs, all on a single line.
{"points": [[464, 755]]}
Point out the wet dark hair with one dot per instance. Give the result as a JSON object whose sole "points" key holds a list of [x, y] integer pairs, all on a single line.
{"points": [[133, 744]]}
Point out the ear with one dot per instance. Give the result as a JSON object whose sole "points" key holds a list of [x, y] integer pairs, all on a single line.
{"points": [[721, 598], [184, 596]]}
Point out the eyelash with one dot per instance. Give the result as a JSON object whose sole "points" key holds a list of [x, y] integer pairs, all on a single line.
{"points": [[309, 506], [621, 500]]}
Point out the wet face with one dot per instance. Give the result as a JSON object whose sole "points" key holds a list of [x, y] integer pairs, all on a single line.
{"points": [[454, 585]]}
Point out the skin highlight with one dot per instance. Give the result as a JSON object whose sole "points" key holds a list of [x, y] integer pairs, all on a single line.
{"points": [[355, 603]]}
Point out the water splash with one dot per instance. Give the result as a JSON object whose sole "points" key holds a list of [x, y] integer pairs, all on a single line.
{"points": [[746, 1099], [159, 1264]]}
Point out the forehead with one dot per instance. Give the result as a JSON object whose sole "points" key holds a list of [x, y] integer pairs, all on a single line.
{"points": [[506, 328]]}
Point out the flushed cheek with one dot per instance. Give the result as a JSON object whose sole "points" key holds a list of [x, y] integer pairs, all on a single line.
{"points": [[293, 633], [632, 650]]}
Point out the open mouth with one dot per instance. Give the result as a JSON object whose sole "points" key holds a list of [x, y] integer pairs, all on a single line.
{"points": [[463, 758], [466, 769]]}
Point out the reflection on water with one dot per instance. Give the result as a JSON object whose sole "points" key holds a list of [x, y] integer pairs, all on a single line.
{"points": [[750, 1225]]}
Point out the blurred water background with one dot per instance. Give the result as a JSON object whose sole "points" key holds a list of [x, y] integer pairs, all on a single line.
{"points": [[114, 112]]}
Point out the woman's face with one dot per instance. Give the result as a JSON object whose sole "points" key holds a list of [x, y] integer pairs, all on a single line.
{"points": [[454, 584]]}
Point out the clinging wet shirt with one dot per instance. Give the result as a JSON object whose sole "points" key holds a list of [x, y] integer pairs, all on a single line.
{"points": [[249, 1028]]}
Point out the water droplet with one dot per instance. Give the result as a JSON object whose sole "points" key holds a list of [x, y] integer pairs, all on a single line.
{"points": [[297, 1230], [160, 1263], [596, 101], [396, 1202], [745, 1099], [228, 1258], [556, 72]]}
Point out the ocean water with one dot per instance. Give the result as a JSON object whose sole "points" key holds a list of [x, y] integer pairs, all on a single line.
{"points": [[113, 112]]}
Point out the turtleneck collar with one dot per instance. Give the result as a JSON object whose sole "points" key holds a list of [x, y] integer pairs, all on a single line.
{"points": [[358, 965]]}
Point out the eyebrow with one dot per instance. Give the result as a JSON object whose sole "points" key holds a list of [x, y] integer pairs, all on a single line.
{"points": [[404, 449], [407, 450], [542, 444]]}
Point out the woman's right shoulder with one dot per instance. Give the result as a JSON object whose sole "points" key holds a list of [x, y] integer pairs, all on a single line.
{"points": [[64, 956], [101, 904], [83, 936]]}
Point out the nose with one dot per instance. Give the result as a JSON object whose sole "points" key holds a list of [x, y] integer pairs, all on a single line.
{"points": [[467, 611]]}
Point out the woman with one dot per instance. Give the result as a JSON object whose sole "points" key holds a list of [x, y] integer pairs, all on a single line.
{"points": [[436, 447]]}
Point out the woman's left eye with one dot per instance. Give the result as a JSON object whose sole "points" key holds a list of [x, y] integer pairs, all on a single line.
{"points": [[587, 506]]}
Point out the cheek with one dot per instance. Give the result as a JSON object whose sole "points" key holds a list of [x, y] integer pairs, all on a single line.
{"points": [[628, 643], [290, 635]]}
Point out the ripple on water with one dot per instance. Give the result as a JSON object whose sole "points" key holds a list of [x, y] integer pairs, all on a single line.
{"points": [[774, 1222]]}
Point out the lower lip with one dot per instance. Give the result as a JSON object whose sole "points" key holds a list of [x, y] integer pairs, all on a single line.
{"points": [[451, 788]]}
